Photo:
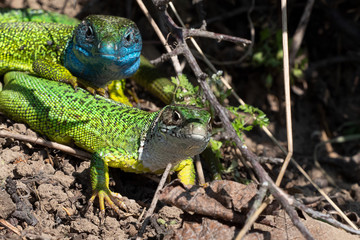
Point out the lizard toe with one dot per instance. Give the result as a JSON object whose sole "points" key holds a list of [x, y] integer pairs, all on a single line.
{"points": [[111, 199], [73, 82]]}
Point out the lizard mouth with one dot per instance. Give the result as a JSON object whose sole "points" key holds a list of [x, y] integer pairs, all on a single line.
{"points": [[198, 137], [128, 58], [201, 136]]}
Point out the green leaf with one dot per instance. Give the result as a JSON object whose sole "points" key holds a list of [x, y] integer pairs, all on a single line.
{"points": [[258, 57], [297, 72]]}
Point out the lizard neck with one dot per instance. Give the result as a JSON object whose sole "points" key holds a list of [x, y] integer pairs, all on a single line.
{"points": [[156, 151]]}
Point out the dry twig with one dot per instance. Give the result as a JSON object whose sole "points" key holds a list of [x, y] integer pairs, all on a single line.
{"points": [[300, 31], [154, 201], [35, 140], [282, 197]]}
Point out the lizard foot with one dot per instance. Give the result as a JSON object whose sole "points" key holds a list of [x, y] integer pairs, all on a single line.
{"points": [[116, 92], [112, 199], [94, 91]]}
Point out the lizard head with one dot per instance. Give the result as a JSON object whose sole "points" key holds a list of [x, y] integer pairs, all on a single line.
{"points": [[179, 132], [104, 48]]}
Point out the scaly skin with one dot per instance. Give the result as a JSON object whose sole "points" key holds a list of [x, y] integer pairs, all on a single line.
{"points": [[95, 52], [147, 76], [118, 136], [35, 15]]}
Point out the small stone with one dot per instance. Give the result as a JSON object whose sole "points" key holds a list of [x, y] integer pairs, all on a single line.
{"points": [[22, 169], [67, 168], [111, 223], [7, 206], [64, 180], [48, 169], [10, 156], [48, 192], [5, 172], [20, 128], [83, 226]]}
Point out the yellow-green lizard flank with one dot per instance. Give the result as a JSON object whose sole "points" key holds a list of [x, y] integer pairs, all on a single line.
{"points": [[119, 136]]}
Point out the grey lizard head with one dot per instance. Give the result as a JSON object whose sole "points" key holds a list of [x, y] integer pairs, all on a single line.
{"points": [[104, 48], [180, 132]]}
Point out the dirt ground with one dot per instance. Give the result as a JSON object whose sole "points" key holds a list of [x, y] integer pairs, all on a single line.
{"points": [[44, 192]]}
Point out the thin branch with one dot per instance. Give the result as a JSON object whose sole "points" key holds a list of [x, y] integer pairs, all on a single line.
{"points": [[287, 92], [35, 140], [9, 226], [166, 56], [154, 201], [199, 170], [174, 59], [300, 31], [325, 217], [220, 37], [254, 212]]}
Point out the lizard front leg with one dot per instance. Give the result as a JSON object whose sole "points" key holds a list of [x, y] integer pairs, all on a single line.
{"points": [[119, 158], [50, 70], [117, 90], [47, 69], [99, 174], [186, 171]]}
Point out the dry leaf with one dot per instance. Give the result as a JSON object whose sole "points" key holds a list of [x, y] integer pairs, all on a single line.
{"points": [[207, 229], [279, 226], [226, 200]]}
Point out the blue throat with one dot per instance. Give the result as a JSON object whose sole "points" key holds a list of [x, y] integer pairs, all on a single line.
{"points": [[98, 67]]}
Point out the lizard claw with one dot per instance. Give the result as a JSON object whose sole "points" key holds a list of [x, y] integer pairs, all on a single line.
{"points": [[101, 91], [73, 83], [91, 90], [112, 199]]}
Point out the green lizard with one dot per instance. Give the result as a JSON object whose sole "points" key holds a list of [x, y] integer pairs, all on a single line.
{"points": [[98, 50], [118, 135], [147, 76]]}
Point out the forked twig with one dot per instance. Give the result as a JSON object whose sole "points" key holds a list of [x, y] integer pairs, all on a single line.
{"points": [[174, 58], [250, 156]]}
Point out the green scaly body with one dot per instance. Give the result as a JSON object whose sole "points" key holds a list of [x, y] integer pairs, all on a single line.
{"points": [[118, 136], [46, 41], [35, 15]]}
